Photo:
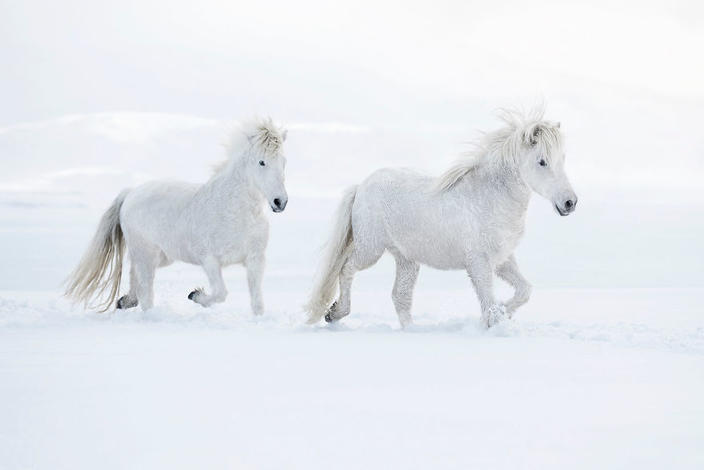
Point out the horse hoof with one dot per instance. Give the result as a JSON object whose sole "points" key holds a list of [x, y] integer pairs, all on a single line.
{"points": [[495, 315], [125, 302], [195, 293], [328, 316]]}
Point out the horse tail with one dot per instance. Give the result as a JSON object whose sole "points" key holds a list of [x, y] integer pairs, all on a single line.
{"points": [[337, 251], [100, 269]]}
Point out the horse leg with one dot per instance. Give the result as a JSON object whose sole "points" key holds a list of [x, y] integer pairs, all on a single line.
{"points": [[212, 269], [129, 300], [481, 273], [341, 307], [359, 260], [508, 271], [402, 293], [145, 263], [255, 272]]}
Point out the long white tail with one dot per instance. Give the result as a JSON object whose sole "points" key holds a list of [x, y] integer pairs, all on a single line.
{"points": [[336, 253], [100, 269]]}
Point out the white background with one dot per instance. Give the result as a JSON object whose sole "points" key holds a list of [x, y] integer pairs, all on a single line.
{"points": [[602, 369]]}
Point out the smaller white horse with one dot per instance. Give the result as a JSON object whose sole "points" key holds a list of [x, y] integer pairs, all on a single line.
{"points": [[212, 225], [470, 218]]}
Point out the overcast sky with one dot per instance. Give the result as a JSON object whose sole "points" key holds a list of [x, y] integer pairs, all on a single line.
{"points": [[623, 75], [333, 60]]}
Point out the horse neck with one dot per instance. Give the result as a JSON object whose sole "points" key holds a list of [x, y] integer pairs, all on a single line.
{"points": [[233, 185], [503, 182]]}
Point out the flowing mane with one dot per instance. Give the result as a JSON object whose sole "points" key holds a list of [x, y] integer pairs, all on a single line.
{"points": [[260, 135], [504, 146]]}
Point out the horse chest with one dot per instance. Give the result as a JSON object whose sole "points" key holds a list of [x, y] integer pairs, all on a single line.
{"points": [[503, 238], [238, 237]]}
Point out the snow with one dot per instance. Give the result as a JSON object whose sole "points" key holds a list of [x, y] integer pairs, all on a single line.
{"points": [[581, 379], [603, 368]]}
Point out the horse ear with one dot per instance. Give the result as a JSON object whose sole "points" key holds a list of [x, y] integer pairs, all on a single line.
{"points": [[284, 134]]}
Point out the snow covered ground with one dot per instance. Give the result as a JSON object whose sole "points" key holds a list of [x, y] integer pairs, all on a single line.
{"points": [[602, 369], [608, 376], [581, 379]]}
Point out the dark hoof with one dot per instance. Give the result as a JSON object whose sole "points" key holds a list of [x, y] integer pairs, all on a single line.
{"points": [[192, 296], [125, 302], [329, 315]]}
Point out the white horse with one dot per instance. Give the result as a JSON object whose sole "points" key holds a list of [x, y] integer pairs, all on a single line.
{"points": [[469, 218], [213, 225]]}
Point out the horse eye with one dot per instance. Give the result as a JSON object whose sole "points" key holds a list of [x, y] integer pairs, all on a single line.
{"points": [[261, 163], [542, 162]]}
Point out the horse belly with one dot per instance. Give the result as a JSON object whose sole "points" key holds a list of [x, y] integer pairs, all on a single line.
{"points": [[434, 253], [420, 237], [150, 217]]}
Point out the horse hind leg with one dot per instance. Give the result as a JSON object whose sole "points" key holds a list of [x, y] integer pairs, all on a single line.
{"points": [[145, 263], [341, 307], [129, 300], [358, 261], [402, 293]]}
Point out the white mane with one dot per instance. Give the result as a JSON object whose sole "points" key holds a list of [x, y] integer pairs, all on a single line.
{"points": [[260, 135], [504, 146]]}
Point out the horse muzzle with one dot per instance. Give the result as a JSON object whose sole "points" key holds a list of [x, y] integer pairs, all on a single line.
{"points": [[278, 204], [566, 207]]}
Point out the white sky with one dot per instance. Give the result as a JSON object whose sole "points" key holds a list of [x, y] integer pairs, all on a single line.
{"points": [[627, 76], [216, 58]]}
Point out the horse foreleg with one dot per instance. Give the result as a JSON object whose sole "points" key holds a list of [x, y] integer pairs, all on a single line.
{"points": [[482, 276], [255, 272], [402, 293], [509, 272], [212, 269]]}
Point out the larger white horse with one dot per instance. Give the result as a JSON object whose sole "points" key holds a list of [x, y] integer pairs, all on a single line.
{"points": [[212, 225], [470, 218]]}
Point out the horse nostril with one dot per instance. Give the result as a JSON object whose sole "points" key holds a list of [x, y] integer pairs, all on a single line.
{"points": [[277, 202], [569, 204]]}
